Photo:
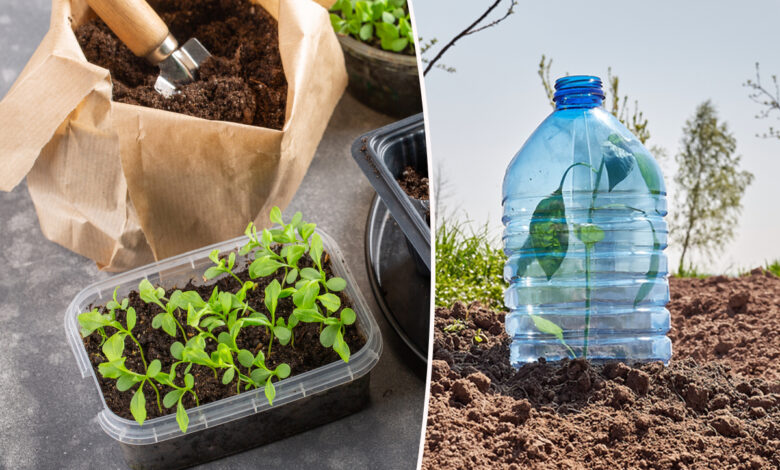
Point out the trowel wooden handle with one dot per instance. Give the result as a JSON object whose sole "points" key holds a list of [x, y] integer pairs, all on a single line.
{"points": [[135, 22]]}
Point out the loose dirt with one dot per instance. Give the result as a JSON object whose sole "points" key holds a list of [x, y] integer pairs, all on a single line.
{"points": [[306, 354], [244, 82], [414, 184], [713, 407], [733, 321]]}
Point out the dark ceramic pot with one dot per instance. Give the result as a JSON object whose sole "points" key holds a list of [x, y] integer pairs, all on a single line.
{"points": [[388, 82]]}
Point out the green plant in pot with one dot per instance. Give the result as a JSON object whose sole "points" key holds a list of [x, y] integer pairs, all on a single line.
{"points": [[378, 43]]}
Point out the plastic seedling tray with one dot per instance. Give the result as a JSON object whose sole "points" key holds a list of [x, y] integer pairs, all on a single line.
{"points": [[383, 154], [244, 421]]}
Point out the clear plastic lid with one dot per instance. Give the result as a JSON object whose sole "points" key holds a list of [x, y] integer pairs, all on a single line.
{"points": [[179, 270]]}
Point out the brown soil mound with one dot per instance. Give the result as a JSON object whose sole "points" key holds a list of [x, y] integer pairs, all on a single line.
{"points": [[243, 82], [733, 321], [573, 414]]}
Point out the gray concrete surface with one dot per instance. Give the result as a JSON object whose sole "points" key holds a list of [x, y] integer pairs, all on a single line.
{"points": [[48, 412]]}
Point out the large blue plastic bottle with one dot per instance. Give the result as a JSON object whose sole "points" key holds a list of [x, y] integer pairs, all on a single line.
{"points": [[584, 206]]}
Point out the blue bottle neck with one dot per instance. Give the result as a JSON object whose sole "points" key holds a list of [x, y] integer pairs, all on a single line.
{"points": [[578, 91]]}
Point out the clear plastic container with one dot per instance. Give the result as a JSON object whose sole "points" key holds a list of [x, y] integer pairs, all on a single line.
{"points": [[244, 421], [584, 206]]}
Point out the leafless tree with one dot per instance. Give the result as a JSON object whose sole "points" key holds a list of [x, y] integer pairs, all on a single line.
{"points": [[769, 99], [473, 28]]}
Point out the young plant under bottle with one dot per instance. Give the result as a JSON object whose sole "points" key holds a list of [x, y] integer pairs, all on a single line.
{"points": [[549, 230], [204, 332]]}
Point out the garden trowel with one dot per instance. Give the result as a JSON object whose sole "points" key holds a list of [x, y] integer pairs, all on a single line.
{"points": [[145, 33]]}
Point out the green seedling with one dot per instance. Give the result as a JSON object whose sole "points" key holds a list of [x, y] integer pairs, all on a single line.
{"points": [[113, 349], [276, 326], [479, 336], [332, 328], [260, 375], [166, 319], [216, 323], [175, 396], [455, 327], [549, 229], [222, 267], [384, 21]]}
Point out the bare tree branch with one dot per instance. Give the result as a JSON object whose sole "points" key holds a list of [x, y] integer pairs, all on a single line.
{"points": [[473, 28], [764, 97]]}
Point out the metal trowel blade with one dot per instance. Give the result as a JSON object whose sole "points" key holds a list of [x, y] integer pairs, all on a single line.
{"points": [[181, 67]]}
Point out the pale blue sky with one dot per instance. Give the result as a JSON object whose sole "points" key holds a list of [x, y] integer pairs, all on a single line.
{"points": [[669, 55]]}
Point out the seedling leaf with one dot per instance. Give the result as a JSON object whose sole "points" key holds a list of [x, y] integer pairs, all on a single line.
{"points": [[282, 371], [276, 215], [589, 234], [154, 368], [114, 347], [263, 267], [282, 334], [328, 335], [550, 233], [652, 273], [126, 382], [172, 397], [341, 348], [168, 324], [330, 301], [212, 272], [294, 253], [270, 391], [245, 358], [148, 293], [228, 376], [176, 350], [308, 315], [618, 161], [546, 326], [138, 406], [315, 250], [182, 418], [131, 319], [650, 174], [310, 274], [336, 284], [348, 316], [91, 321], [272, 295]]}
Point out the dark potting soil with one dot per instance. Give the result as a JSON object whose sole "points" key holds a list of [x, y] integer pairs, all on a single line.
{"points": [[306, 354], [243, 82], [703, 412], [414, 184]]}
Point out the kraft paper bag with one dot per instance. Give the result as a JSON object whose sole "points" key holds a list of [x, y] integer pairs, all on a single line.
{"points": [[126, 185]]}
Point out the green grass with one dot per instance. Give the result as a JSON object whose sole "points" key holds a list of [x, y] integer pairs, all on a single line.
{"points": [[773, 267], [469, 267], [692, 271]]}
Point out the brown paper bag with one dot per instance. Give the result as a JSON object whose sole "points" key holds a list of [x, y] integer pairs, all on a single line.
{"points": [[125, 185]]}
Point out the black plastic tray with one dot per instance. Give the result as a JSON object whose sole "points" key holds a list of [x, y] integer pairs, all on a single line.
{"points": [[401, 290], [383, 154]]}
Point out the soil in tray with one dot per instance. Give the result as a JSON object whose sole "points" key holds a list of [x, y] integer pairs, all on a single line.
{"points": [[243, 82], [714, 406], [307, 354], [414, 184]]}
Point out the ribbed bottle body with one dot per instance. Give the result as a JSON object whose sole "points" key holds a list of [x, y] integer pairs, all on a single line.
{"points": [[584, 206]]}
